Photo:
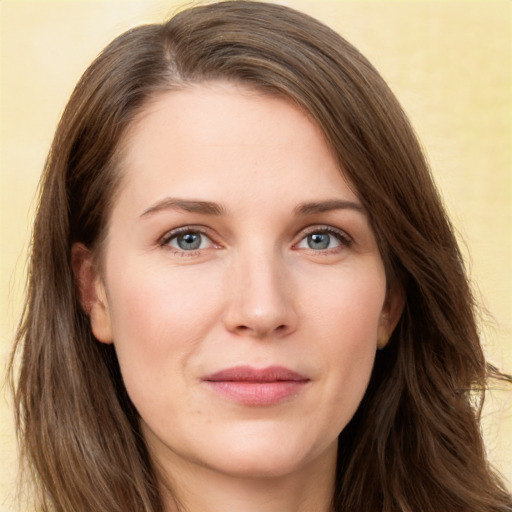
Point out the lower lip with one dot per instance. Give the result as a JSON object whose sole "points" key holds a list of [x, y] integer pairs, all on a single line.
{"points": [[257, 393]]}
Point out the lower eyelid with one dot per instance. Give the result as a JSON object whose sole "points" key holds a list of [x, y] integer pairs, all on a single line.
{"points": [[183, 254]]}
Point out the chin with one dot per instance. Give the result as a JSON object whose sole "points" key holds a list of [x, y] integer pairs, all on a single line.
{"points": [[270, 458]]}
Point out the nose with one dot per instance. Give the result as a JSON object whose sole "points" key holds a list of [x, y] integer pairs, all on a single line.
{"points": [[260, 297]]}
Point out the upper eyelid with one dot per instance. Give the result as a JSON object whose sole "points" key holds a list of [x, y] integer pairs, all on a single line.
{"points": [[172, 233], [324, 227]]}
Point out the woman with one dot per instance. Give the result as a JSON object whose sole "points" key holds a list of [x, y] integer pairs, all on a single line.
{"points": [[245, 293]]}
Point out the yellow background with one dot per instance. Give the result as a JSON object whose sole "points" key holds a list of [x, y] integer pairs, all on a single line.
{"points": [[449, 62]]}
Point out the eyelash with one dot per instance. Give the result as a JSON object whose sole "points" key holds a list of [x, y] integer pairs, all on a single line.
{"points": [[165, 241], [175, 233], [340, 236]]}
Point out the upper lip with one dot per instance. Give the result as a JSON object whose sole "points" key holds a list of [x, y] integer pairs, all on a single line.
{"points": [[250, 374]]}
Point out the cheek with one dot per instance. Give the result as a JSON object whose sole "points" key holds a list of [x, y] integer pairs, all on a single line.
{"points": [[156, 325], [347, 306], [345, 319], [149, 300]]}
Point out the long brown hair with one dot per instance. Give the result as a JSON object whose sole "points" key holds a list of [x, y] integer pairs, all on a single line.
{"points": [[414, 445]]}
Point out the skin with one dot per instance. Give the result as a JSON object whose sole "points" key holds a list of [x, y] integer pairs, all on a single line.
{"points": [[256, 292]]}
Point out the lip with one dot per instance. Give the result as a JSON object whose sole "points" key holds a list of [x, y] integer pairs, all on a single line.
{"points": [[252, 386]]}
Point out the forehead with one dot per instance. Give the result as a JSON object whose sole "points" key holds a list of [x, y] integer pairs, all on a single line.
{"points": [[225, 139], [221, 107]]}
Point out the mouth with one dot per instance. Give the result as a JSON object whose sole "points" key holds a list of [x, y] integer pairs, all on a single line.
{"points": [[258, 387]]}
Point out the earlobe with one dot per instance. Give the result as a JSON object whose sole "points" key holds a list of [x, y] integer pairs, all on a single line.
{"points": [[390, 315], [91, 292]]}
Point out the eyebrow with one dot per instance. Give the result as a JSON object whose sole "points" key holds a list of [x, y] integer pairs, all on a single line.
{"points": [[211, 208], [171, 203], [325, 206]]}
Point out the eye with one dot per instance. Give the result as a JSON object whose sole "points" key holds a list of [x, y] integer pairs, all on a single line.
{"points": [[324, 239], [187, 240]]}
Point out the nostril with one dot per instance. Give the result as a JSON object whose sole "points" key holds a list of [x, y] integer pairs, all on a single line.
{"points": [[260, 331]]}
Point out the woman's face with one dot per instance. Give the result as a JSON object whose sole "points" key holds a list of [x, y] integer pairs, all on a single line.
{"points": [[241, 285]]}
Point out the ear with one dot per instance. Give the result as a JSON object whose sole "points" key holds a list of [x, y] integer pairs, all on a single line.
{"points": [[391, 313], [91, 292]]}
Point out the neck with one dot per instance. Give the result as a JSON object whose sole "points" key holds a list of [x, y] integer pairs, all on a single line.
{"points": [[196, 489]]}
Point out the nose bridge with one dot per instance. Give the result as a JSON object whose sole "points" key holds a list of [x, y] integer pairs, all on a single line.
{"points": [[259, 293]]}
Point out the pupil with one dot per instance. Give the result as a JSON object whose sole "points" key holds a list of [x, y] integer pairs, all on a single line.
{"points": [[318, 241], [189, 241]]}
